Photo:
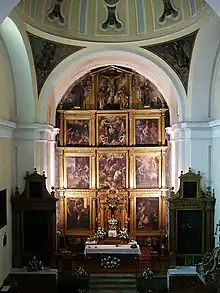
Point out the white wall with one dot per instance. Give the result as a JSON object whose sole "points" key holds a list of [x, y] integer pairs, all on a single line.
{"points": [[6, 146]]}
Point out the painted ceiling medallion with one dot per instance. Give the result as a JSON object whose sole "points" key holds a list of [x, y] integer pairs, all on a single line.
{"points": [[112, 20], [55, 12], [169, 12]]}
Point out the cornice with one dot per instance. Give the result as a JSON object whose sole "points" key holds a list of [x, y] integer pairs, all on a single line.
{"points": [[7, 129]]}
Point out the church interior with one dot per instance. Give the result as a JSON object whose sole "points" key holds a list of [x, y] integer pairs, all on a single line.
{"points": [[109, 146]]}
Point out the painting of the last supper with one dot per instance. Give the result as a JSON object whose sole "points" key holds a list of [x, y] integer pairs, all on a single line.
{"points": [[77, 169], [112, 170]]}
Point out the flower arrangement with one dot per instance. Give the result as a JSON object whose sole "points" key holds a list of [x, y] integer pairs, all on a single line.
{"points": [[147, 274], [110, 262], [100, 233], [35, 265], [123, 234], [80, 273]]}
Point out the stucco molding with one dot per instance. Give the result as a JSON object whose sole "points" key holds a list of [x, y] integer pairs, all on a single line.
{"points": [[35, 131], [215, 126], [190, 130], [7, 129]]}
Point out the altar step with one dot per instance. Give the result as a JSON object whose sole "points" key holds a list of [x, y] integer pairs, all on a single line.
{"points": [[109, 283]]}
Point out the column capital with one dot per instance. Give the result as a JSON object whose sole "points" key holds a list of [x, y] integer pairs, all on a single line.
{"points": [[215, 126], [35, 131], [190, 130], [7, 128]]}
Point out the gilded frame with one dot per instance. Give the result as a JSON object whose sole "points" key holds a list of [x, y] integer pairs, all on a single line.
{"points": [[109, 152], [80, 116], [150, 193], [87, 196], [176, 230], [147, 115], [158, 153], [80, 153], [109, 114]]}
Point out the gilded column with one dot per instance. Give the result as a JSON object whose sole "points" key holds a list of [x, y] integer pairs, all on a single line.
{"points": [[163, 168], [61, 119]]}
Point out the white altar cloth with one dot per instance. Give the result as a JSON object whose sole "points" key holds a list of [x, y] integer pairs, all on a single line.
{"points": [[111, 249], [184, 271]]}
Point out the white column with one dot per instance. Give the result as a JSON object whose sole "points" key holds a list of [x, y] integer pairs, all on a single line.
{"points": [[29, 140], [215, 170], [191, 147]]}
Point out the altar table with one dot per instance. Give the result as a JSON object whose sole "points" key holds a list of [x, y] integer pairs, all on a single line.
{"points": [[128, 256], [184, 279], [112, 249]]}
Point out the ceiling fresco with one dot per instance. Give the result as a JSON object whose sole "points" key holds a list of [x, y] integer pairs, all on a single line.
{"points": [[111, 20]]}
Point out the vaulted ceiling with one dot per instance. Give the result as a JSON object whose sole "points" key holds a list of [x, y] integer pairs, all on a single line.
{"points": [[112, 20]]}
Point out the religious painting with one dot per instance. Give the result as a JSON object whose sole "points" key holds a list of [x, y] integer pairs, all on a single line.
{"points": [[189, 226], [113, 90], [112, 130], [112, 170], [77, 213], [147, 213], [147, 132], [77, 132], [77, 171], [147, 171]]}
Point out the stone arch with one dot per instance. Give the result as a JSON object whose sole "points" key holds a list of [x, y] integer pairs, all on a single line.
{"points": [[22, 75], [201, 72], [142, 61]]}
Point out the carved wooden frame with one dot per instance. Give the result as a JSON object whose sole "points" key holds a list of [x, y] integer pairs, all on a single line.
{"points": [[148, 115], [149, 193], [152, 152], [89, 196], [79, 152], [111, 114], [80, 115], [112, 151]]}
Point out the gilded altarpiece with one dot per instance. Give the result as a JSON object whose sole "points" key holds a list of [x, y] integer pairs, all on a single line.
{"points": [[112, 155]]}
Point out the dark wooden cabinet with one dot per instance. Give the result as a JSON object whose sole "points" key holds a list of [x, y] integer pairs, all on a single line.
{"points": [[191, 221], [34, 222]]}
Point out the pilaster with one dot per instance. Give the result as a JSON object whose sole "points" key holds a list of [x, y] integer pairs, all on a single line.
{"points": [[191, 144], [34, 147], [215, 167]]}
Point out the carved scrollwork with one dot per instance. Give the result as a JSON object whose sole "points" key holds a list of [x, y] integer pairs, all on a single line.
{"points": [[209, 268]]}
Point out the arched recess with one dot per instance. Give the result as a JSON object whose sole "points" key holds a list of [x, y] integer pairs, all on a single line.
{"points": [[7, 97], [143, 62], [20, 65], [216, 88], [201, 71]]}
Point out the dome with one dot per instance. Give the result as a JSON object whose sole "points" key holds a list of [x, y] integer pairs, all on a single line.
{"points": [[112, 20]]}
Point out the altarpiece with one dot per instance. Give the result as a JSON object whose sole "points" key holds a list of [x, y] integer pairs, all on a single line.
{"points": [[112, 153]]}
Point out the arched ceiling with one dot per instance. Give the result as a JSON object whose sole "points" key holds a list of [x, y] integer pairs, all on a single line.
{"points": [[111, 20]]}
